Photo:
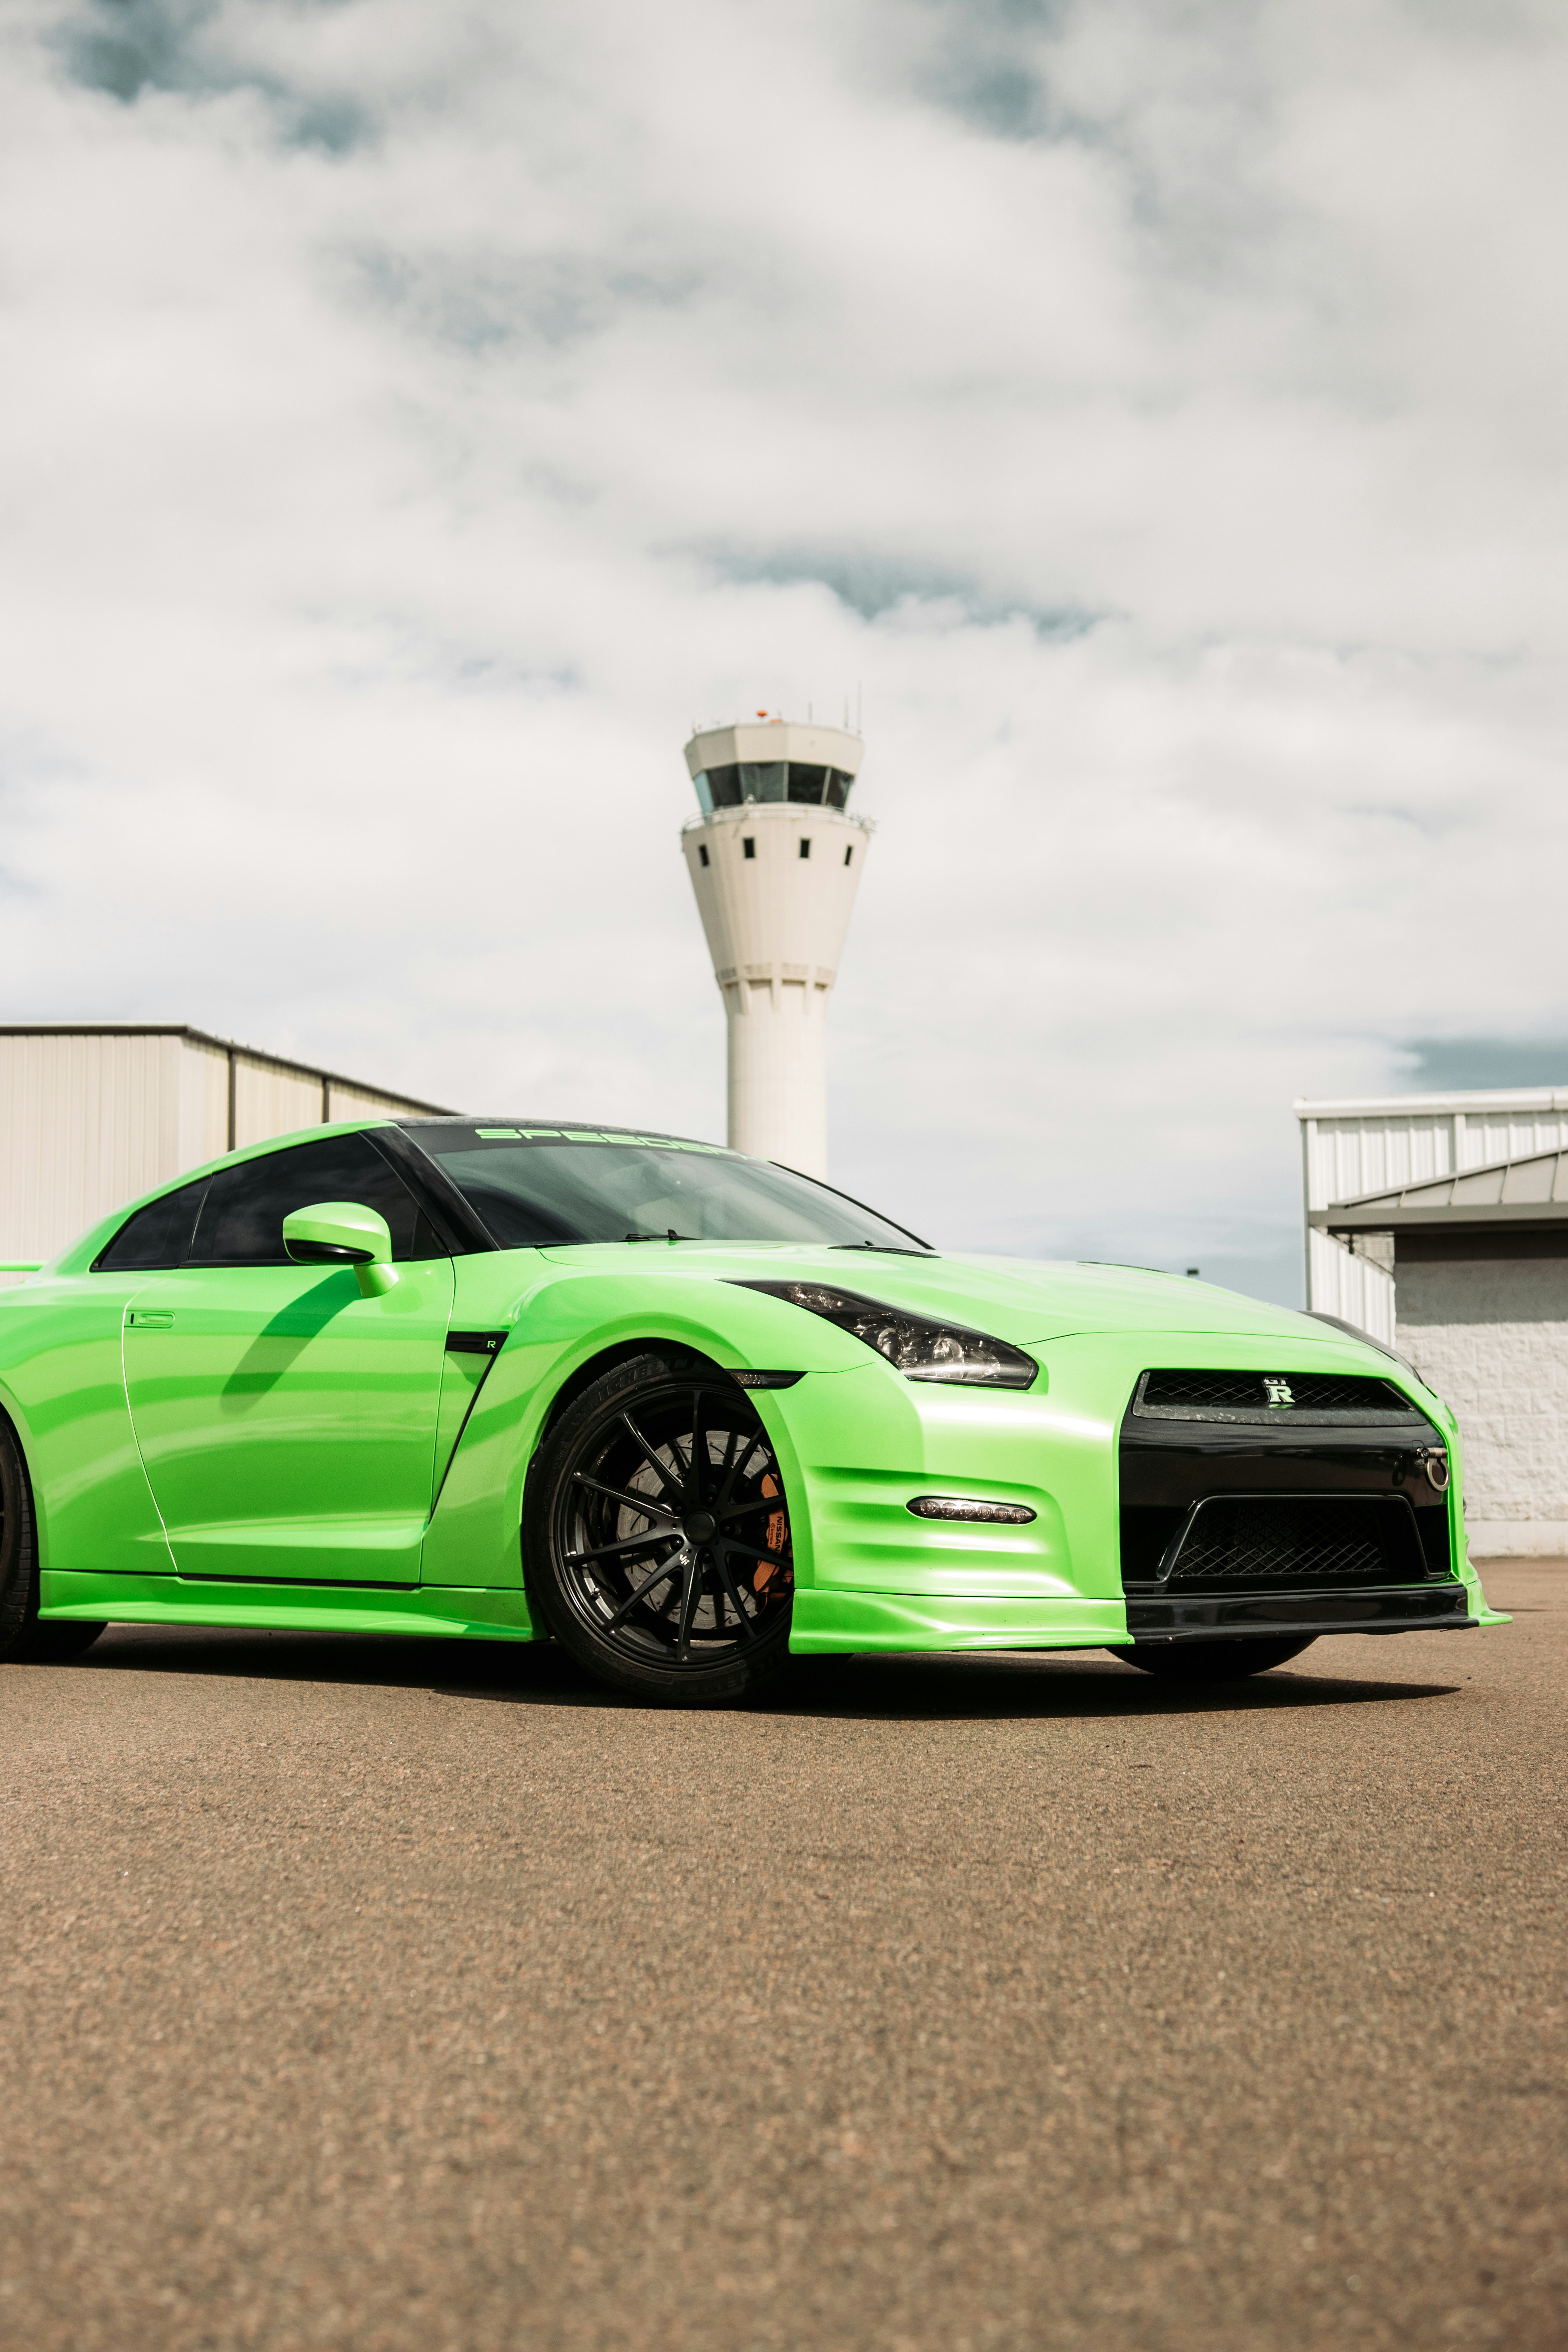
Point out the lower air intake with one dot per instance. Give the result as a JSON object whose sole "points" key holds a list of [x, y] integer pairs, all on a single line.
{"points": [[1242, 1545]]}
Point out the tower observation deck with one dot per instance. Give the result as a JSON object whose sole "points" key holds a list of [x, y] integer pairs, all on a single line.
{"points": [[775, 860]]}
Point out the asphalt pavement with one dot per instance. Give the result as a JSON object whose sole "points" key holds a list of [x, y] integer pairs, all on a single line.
{"points": [[394, 1994]]}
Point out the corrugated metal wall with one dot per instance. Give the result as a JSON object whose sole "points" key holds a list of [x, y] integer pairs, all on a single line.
{"points": [[1351, 1149], [84, 1121], [1372, 1147], [344, 1104], [1349, 1156], [271, 1101], [1351, 1287], [90, 1118], [204, 1104]]}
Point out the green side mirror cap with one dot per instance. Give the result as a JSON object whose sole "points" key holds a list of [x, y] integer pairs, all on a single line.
{"points": [[343, 1233]]}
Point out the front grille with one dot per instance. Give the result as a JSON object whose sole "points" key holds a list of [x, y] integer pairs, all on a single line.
{"points": [[1274, 1398], [1241, 1543]]}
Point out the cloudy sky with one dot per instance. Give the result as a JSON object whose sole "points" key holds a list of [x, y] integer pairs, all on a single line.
{"points": [[1151, 413]]}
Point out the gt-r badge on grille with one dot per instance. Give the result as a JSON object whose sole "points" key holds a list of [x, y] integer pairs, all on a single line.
{"points": [[1278, 1392]]}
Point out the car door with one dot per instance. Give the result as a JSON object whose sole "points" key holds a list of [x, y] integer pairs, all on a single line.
{"points": [[287, 1424]]}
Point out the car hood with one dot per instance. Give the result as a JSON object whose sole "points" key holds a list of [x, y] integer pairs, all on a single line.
{"points": [[1025, 1300]]}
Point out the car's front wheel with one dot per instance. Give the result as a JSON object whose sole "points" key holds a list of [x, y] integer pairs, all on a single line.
{"points": [[1211, 1661], [657, 1533], [21, 1634]]}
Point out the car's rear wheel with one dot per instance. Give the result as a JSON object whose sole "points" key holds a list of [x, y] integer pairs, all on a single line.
{"points": [[657, 1534], [1212, 1662], [21, 1634]]}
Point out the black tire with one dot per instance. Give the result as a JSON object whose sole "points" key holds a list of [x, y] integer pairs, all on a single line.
{"points": [[21, 1635], [1213, 1662], [657, 1534]]}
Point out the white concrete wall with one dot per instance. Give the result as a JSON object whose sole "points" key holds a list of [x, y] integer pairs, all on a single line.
{"points": [[1491, 1336]]}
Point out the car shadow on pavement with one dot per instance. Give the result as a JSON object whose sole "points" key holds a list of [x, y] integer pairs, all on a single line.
{"points": [[999, 1685]]}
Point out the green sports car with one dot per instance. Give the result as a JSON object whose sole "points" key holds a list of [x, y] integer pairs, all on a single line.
{"points": [[687, 1412]]}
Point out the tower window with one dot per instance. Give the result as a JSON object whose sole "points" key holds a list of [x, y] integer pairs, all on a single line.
{"points": [[807, 786], [749, 845], [805, 848], [701, 853], [848, 854]]}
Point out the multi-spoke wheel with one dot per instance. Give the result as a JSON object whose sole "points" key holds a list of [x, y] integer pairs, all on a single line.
{"points": [[658, 1535]]}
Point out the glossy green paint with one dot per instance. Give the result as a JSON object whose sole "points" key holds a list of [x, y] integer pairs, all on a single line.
{"points": [[286, 1423], [349, 1227], [825, 1621], [474, 1616], [306, 1445], [63, 1386]]}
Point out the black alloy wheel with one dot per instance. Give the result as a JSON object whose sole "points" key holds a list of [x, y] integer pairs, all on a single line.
{"points": [[657, 1533], [21, 1635], [1213, 1662]]}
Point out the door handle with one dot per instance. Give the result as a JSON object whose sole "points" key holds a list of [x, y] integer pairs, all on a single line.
{"points": [[150, 1318]]}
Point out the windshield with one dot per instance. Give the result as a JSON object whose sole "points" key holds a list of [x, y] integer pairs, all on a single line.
{"points": [[532, 1188]]}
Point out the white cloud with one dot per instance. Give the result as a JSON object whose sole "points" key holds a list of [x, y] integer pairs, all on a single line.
{"points": [[418, 417]]}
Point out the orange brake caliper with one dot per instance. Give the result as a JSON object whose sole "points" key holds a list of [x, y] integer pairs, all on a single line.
{"points": [[777, 1536]]}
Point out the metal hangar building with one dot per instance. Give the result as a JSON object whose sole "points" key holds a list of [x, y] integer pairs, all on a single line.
{"points": [[1439, 1225]]}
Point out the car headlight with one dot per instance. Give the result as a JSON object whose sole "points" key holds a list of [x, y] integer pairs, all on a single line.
{"points": [[921, 1350]]}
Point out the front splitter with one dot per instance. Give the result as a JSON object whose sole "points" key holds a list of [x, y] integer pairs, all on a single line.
{"points": [[828, 1619], [1427, 1608]]}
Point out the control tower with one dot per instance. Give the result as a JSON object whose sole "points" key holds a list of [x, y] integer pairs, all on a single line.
{"points": [[775, 860]]}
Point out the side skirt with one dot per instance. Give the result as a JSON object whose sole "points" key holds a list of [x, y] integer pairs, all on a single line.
{"points": [[473, 1613]]}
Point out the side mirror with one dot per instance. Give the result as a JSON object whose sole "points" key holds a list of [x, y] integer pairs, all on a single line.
{"points": [[343, 1233]]}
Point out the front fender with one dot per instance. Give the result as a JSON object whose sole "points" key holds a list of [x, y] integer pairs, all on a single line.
{"points": [[559, 1319]]}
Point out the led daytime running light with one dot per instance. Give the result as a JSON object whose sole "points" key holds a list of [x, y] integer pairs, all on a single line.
{"points": [[965, 1507]]}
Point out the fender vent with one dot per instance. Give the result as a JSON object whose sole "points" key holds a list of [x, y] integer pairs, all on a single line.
{"points": [[476, 1343]]}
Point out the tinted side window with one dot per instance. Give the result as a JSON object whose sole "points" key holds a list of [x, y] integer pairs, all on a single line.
{"points": [[159, 1235], [241, 1222]]}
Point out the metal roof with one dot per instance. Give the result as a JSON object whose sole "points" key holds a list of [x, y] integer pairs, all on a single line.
{"points": [[1497, 1099], [221, 1044], [1532, 1190]]}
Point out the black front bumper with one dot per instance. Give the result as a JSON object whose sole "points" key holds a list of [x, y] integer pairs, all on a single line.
{"points": [[1267, 1525]]}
